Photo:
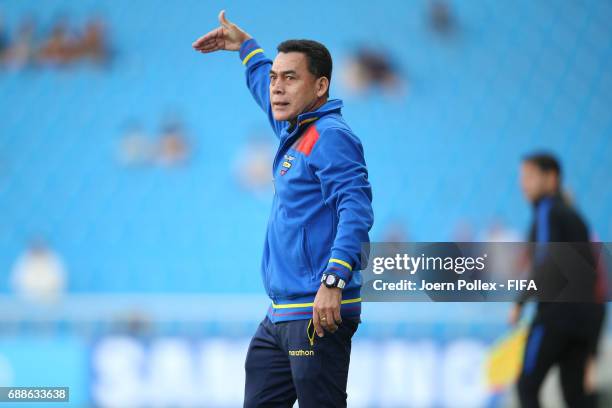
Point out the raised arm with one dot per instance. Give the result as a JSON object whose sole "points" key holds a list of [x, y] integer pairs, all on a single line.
{"points": [[230, 37]]}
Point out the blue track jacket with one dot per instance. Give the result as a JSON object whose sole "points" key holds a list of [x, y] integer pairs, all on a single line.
{"points": [[322, 206]]}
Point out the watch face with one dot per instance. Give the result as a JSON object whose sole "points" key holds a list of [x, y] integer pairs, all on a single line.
{"points": [[331, 279]]}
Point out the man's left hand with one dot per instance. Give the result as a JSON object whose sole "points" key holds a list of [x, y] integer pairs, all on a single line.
{"points": [[326, 310]]}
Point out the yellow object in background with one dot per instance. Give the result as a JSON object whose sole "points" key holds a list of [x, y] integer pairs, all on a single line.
{"points": [[506, 359]]}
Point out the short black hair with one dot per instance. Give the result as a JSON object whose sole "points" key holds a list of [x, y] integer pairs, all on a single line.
{"points": [[546, 162], [318, 56]]}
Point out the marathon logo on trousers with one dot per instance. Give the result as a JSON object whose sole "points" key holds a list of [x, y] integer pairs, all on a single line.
{"points": [[301, 353]]}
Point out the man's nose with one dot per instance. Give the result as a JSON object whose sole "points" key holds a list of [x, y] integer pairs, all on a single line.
{"points": [[277, 89]]}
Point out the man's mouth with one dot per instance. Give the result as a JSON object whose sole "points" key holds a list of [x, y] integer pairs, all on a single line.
{"points": [[280, 104]]}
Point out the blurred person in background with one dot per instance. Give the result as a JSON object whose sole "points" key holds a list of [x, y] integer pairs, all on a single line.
{"points": [[59, 48], [442, 20], [39, 275], [372, 69], [20, 52], [396, 230], [463, 231], [3, 37], [395, 235], [504, 260], [252, 165], [561, 333], [321, 214], [497, 231], [135, 147], [172, 148], [93, 45]]}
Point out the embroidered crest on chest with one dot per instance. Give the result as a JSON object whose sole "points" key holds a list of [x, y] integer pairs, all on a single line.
{"points": [[304, 144]]}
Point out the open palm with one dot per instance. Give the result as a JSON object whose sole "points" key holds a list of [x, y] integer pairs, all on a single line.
{"points": [[226, 37]]}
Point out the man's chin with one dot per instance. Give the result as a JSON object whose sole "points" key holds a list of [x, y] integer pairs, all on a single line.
{"points": [[282, 116]]}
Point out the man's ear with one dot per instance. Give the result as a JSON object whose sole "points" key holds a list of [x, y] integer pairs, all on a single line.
{"points": [[322, 86], [554, 182], [547, 183]]}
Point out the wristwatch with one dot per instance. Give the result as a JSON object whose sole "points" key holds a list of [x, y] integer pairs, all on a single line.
{"points": [[332, 281]]}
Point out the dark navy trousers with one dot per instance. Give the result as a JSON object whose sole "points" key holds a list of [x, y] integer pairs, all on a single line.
{"points": [[288, 361], [563, 335]]}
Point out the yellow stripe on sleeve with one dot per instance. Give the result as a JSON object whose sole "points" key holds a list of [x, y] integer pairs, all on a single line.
{"points": [[250, 55], [341, 262]]}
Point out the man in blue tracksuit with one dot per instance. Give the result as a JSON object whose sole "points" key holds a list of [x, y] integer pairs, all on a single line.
{"points": [[321, 215], [562, 333]]}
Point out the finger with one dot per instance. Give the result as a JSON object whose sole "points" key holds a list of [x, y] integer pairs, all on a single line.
{"points": [[209, 40], [210, 47], [337, 317], [203, 39], [323, 320], [224, 22], [331, 325], [317, 323]]}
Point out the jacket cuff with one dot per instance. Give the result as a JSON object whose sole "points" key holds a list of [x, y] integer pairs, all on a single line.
{"points": [[341, 266], [250, 52]]}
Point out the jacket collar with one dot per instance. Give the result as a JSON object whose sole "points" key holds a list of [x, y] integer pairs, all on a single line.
{"points": [[547, 198], [332, 105]]}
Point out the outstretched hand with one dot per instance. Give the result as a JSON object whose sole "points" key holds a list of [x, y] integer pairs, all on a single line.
{"points": [[227, 37]]}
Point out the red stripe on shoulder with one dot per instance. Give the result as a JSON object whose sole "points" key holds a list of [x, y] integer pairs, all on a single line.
{"points": [[308, 140]]}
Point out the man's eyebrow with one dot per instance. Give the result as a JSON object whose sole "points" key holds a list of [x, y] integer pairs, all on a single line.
{"points": [[283, 72]]}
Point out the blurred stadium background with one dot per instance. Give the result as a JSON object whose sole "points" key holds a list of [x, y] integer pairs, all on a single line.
{"points": [[135, 184]]}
